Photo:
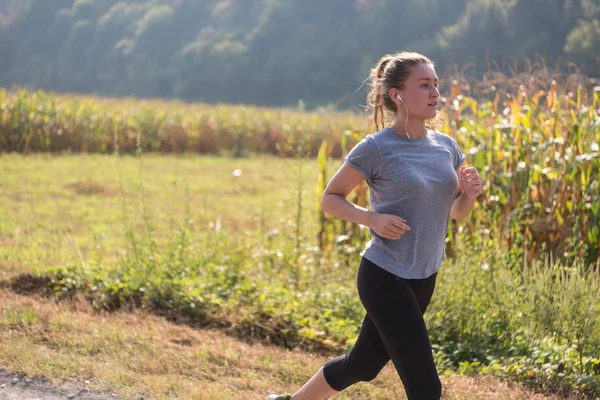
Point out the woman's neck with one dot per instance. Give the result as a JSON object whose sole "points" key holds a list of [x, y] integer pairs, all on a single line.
{"points": [[416, 129]]}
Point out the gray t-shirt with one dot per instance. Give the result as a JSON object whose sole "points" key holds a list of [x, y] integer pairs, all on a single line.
{"points": [[414, 179]]}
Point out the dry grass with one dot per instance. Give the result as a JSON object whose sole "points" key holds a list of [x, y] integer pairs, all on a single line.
{"points": [[90, 187], [137, 354]]}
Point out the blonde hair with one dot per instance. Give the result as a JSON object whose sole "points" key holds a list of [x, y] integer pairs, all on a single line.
{"points": [[391, 71]]}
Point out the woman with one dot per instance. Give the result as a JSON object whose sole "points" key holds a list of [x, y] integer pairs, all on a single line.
{"points": [[417, 184]]}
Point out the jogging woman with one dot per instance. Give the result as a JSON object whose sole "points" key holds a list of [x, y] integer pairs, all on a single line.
{"points": [[417, 183]]}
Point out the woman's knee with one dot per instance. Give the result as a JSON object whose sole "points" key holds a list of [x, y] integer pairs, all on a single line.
{"points": [[369, 369], [339, 374], [436, 390], [431, 390], [368, 375]]}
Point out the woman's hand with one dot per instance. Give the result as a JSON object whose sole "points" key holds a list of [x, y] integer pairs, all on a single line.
{"points": [[471, 182], [388, 226]]}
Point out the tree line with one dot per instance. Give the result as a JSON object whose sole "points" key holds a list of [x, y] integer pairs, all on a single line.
{"points": [[275, 52]]}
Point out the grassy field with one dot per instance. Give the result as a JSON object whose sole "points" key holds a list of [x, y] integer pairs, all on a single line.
{"points": [[58, 208], [118, 222]]}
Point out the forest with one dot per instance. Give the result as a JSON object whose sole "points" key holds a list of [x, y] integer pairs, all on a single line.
{"points": [[276, 52]]}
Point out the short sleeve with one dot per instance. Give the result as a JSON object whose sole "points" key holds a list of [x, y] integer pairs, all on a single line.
{"points": [[365, 158], [459, 157]]}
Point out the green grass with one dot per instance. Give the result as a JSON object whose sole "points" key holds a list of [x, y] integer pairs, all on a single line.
{"points": [[55, 207]]}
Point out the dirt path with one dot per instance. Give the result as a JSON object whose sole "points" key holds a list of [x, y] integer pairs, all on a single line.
{"points": [[17, 387]]}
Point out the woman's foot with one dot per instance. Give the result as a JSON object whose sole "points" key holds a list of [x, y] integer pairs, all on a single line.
{"points": [[280, 397]]}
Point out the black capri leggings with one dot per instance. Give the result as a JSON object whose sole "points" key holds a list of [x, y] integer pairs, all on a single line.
{"points": [[393, 328]]}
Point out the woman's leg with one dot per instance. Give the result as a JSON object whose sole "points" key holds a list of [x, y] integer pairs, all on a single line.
{"points": [[368, 355], [316, 388], [393, 305], [363, 363]]}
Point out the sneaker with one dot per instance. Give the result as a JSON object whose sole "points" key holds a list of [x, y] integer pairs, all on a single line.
{"points": [[280, 397]]}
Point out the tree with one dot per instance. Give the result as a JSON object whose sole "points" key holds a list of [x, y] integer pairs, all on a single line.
{"points": [[583, 45]]}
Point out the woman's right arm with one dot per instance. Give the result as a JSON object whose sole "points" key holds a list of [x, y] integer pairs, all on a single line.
{"points": [[334, 202]]}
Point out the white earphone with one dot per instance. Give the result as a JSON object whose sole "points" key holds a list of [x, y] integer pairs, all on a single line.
{"points": [[407, 113]]}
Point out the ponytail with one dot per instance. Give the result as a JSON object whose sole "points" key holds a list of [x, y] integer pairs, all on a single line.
{"points": [[375, 98], [391, 71]]}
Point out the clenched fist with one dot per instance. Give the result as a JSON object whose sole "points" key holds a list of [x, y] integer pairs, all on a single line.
{"points": [[388, 226], [470, 182]]}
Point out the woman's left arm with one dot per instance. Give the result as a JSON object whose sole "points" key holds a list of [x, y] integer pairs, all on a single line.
{"points": [[469, 188]]}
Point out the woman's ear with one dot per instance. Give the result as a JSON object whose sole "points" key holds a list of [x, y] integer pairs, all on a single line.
{"points": [[395, 95]]}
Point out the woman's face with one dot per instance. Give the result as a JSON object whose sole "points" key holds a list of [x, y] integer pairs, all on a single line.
{"points": [[420, 93]]}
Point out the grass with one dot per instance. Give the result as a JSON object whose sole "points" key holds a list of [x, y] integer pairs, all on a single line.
{"points": [[133, 354], [56, 208], [81, 210]]}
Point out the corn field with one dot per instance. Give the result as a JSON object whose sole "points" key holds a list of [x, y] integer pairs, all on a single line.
{"points": [[39, 121]]}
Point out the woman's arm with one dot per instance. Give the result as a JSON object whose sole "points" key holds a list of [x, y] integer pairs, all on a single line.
{"points": [[334, 202], [469, 188]]}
